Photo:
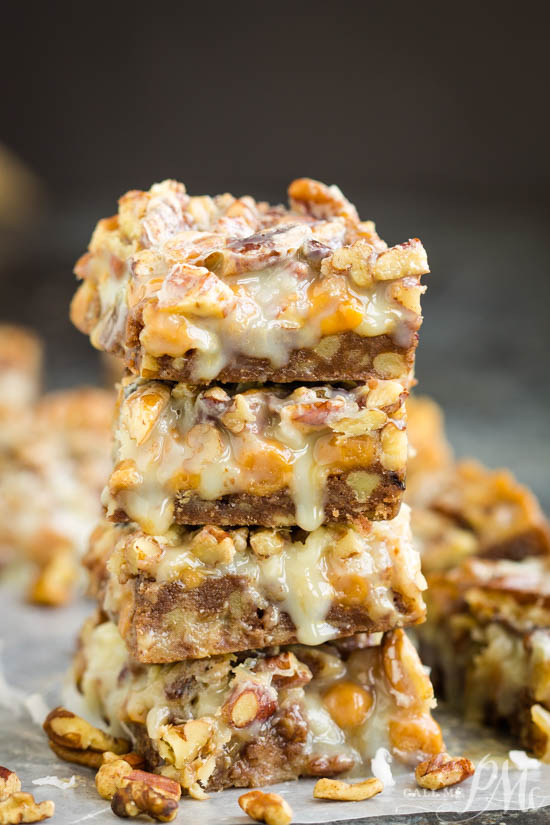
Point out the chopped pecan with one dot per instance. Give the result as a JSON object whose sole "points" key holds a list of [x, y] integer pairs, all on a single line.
{"points": [[125, 476], [266, 543], [141, 797], [109, 777], [212, 545], [181, 744], [266, 807], [443, 770], [404, 670], [21, 807], [331, 765], [143, 409], [287, 670], [136, 760], [55, 582], [68, 730], [345, 791], [88, 758], [9, 783]]}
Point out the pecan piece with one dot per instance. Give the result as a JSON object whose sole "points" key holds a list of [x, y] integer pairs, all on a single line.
{"points": [[443, 770], [266, 807], [287, 670], [68, 730], [346, 791], [109, 777], [9, 783], [88, 758], [147, 793], [332, 765], [21, 807], [55, 582]]}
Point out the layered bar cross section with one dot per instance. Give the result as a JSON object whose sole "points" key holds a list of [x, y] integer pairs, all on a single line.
{"points": [[264, 716], [196, 593], [271, 455]]}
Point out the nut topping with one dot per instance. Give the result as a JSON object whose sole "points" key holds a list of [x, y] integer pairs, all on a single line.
{"points": [[266, 807], [345, 791], [287, 670], [443, 770]]}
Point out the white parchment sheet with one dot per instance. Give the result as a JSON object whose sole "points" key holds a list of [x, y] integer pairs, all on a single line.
{"points": [[35, 654]]}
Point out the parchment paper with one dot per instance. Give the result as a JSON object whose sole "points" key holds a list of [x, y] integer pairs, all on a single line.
{"points": [[36, 649]]}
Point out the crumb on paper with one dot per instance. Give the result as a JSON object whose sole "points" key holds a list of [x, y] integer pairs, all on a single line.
{"points": [[380, 767], [524, 762], [62, 784]]}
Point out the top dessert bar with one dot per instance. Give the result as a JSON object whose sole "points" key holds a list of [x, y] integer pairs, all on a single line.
{"points": [[198, 289]]}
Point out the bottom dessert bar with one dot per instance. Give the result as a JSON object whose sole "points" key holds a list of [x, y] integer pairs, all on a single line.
{"points": [[488, 641], [195, 593], [264, 716]]}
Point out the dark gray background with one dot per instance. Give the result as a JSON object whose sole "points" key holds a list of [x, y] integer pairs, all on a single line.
{"points": [[432, 118]]}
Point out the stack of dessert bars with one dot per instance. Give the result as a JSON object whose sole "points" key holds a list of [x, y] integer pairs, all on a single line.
{"points": [[255, 572]]}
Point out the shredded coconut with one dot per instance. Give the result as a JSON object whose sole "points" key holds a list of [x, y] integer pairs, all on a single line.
{"points": [[524, 762], [380, 767], [37, 707], [62, 784]]}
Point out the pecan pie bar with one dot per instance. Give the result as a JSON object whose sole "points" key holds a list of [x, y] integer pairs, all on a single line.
{"points": [[462, 508], [488, 638], [194, 593], [273, 455], [264, 716], [199, 289], [50, 483], [504, 516]]}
